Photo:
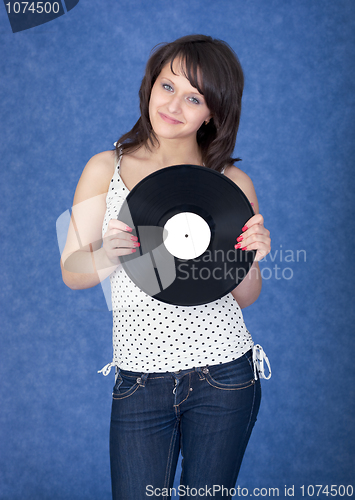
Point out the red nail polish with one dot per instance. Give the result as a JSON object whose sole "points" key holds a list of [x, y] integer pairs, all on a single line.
{"points": [[238, 246], [133, 250], [136, 244], [244, 228], [244, 248], [128, 229], [240, 238], [134, 238]]}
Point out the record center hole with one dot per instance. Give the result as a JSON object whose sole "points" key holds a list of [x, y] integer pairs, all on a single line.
{"points": [[186, 235]]}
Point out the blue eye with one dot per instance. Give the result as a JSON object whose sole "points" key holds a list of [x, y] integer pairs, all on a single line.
{"points": [[194, 100], [166, 86]]}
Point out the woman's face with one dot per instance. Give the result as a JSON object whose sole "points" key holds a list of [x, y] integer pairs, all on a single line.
{"points": [[176, 108]]}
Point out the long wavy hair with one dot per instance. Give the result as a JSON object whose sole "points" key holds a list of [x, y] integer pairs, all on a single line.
{"points": [[212, 67]]}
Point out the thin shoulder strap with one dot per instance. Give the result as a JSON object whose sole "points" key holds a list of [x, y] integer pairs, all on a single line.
{"points": [[118, 164]]}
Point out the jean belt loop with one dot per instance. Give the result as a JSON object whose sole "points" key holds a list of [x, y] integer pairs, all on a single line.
{"points": [[201, 371], [142, 379]]}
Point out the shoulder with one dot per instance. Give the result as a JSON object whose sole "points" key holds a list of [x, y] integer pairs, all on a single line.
{"points": [[100, 168], [97, 175], [244, 182]]}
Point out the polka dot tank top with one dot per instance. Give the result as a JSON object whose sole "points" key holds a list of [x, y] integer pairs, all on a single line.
{"points": [[152, 336]]}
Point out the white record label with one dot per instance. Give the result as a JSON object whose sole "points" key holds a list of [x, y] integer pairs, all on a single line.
{"points": [[188, 235]]}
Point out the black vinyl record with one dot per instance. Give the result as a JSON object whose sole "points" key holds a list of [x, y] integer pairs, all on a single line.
{"points": [[187, 219]]}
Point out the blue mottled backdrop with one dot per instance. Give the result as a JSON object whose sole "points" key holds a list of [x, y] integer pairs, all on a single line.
{"points": [[68, 89]]}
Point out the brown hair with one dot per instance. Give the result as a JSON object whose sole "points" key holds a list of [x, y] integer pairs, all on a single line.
{"points": [[221, 85]]}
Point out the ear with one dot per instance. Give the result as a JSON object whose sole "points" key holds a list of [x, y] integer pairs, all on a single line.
{"points": [[207, 120]]}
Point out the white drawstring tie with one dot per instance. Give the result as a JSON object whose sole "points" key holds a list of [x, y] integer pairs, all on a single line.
{"points": [[107, 368], [259, 357]]}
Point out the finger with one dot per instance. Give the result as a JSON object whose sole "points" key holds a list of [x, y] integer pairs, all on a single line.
{"points": [[114, 254], [255, 245], [117, 224], [253, 233], [118, 252], [115, 234], [256, 219], [253, 242], [262, 247], [118, 244]]}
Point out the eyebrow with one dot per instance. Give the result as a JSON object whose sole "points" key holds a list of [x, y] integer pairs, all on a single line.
{"points": [[197, 92]]}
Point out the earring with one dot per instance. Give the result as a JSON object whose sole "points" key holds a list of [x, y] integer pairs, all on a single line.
{"points": [[207, 122]]}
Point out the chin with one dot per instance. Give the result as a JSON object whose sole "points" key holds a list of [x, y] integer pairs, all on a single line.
{"points": [[165, 134]]}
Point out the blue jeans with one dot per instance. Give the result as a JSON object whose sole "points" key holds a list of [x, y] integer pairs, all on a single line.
{"points": [[206, 412]]}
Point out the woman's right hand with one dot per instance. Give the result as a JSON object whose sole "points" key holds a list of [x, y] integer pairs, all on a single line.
{"points": [[118, 241]]}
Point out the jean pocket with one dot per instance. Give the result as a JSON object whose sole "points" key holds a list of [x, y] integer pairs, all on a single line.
{"points": [[125, 386], [233, 376]]}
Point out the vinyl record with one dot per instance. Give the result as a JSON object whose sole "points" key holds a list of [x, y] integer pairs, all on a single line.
{"points": [[187, 219]]}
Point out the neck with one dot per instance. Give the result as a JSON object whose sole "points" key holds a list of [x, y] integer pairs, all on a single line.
{"points": [[176, 152]]}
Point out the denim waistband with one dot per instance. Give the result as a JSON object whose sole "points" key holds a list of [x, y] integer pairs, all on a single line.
{"points": [[182, 373], [256, 353]]}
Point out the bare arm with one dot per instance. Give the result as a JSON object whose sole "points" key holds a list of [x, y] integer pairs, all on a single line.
{"points": [[255, 237], [85, 262]]}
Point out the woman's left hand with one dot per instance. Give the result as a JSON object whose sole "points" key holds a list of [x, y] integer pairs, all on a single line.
{"points": [[255, 237]]}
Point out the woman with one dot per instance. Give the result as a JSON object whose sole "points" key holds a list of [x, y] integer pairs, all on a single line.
{"points": [[185, 377]]}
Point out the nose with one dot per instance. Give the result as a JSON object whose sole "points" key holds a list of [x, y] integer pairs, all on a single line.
{"points": [[174, 105]]}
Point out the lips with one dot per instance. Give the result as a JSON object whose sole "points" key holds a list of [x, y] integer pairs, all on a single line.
{"points": [[167, 119]]}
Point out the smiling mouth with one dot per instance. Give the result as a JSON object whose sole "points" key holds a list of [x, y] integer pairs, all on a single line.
{"points": [[167, 119]]}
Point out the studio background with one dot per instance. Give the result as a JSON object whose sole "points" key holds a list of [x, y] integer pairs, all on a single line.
{"points": [[68, 90]]}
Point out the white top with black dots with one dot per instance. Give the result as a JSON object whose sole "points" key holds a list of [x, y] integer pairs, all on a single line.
{"points": [[152, 336]]}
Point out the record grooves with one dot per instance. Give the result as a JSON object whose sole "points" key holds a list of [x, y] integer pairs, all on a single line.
{"points": [[187, 219]]}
